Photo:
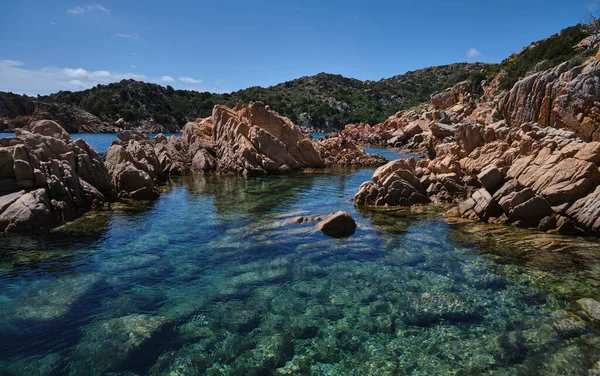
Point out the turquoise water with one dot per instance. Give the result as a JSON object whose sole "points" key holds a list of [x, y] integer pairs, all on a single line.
{"points": [[213, 279], [100, 141]]}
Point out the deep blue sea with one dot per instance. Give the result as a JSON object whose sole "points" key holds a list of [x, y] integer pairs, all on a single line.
{"points": [[214, 279]]}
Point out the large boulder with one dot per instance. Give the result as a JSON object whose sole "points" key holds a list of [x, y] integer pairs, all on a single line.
{"points": [[586, 211], [338, 225], [394, 184]]}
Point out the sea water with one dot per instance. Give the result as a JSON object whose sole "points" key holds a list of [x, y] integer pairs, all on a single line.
{"points": [[214, 278]]}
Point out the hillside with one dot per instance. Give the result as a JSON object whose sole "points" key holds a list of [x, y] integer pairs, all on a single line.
{"points": [[540, 55], [320, 101], [323, 101]]}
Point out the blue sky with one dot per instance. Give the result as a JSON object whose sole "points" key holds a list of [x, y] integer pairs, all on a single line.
{"points": [[222, 46]]}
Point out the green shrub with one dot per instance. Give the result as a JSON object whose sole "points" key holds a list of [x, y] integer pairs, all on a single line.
{"points": [[550, 52], [127, 114]]}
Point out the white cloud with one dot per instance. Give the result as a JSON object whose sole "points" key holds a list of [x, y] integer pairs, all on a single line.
{"points": [[167, 79], [16, 77], [130, 36], [473, 52], [89, 8], [52, 23], [189, 80], [133, 66]]}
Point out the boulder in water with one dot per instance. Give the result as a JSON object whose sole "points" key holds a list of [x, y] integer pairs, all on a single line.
{"points": [[337, 225]]}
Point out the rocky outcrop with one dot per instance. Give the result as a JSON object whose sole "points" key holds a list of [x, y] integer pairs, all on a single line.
{"points": [[567, 96], [396, 183], [395, 130], [528, 176], [336, 152], [47, 179], [137, 163], [198, 136], [459, 94], [253, 139]]}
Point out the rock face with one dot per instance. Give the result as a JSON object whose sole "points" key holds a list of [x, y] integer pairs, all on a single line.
{"points": [[254, 139], [47, 179], [337, 225], [566, 96]]}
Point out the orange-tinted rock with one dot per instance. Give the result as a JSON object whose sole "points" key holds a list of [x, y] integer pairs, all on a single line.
{"points": [[566, 96]]}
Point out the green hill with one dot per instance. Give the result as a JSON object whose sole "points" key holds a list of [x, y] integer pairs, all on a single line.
{"points": [[320, 101]]}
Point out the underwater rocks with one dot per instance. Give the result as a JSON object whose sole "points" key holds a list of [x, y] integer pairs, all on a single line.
{"points": [[47, 179], [528, 176], [566, 96], [591, 308], [107, 343], [337, 225]]}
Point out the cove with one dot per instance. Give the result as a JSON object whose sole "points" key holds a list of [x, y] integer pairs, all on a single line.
{"points": [[213, 279]]}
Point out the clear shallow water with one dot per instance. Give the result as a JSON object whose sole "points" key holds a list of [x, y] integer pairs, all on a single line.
{"points": [[212, 279], [99, 141]]}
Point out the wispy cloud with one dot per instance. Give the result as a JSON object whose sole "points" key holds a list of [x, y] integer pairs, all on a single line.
{"points": [[130, 36], [189, 80], [16, 77], [473, 52], [87, 9], [167, 79], [52, 23]]}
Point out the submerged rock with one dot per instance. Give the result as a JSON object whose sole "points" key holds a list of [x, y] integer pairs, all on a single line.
{"points": [[591, 308], [338, 225], [107, 343]]}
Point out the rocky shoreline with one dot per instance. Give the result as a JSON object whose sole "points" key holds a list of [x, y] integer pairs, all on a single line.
{"points": [[514, 171], [48, 179]]}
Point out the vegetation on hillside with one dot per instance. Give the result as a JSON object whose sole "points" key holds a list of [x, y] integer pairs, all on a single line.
{"points": [[539, 56], [320, 101]]}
